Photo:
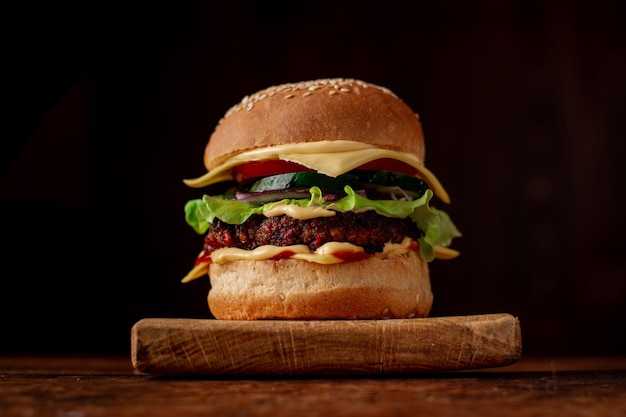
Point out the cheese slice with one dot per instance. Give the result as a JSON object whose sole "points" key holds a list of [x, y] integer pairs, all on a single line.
{"points": [[331, 158], [323, 255]]}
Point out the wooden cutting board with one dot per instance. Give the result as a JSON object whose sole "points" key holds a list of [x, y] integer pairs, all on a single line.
{"points": [[329, 347]]}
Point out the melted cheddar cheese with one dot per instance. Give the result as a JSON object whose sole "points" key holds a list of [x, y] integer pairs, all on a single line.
{"points": [[325, 254]]}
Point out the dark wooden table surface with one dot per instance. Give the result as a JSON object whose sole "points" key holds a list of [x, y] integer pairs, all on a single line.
{"points": [[69, 386]]}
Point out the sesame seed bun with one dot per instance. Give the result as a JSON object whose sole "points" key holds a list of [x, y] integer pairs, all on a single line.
{"points": [[313, 111], [291, 289]]}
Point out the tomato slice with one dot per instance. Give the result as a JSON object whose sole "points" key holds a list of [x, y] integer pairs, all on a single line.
{"points": [[258, 169], [251, 171]]}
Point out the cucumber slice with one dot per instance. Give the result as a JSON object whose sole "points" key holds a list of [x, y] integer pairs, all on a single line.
{"points": [[304, 180], [378, 182], [388, 178]]}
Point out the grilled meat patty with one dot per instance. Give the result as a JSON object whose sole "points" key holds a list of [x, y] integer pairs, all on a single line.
{"points": [[368, 230]]}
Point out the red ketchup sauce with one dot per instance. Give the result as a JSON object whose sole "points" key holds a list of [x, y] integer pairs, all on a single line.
{"points": [[203, 258], [413, 246], [282, 255], [348, 256], [345, 256]]}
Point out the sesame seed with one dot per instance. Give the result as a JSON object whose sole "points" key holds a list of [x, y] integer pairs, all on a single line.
{"points": [[344, 85]]}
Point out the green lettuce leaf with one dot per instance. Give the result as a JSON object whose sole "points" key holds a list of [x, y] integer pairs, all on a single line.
{"points": [[437, 227]]}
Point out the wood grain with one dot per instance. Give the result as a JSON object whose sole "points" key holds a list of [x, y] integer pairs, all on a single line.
{"points": [[281, 348]]}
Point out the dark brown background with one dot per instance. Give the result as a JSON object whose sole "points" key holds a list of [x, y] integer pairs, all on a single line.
{"points": [[107, 107]]}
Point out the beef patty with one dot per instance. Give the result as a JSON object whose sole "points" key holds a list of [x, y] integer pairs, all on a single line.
{"points": [[368, 230]]}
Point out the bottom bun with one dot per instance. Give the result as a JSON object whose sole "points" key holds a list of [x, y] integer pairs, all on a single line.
{"points": [[293, 289]]}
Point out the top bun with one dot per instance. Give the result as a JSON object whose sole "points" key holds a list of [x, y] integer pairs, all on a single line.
{"points": [[313, 111]]}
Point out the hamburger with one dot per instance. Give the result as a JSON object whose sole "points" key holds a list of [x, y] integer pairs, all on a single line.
{"points": [[317, 205]]}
